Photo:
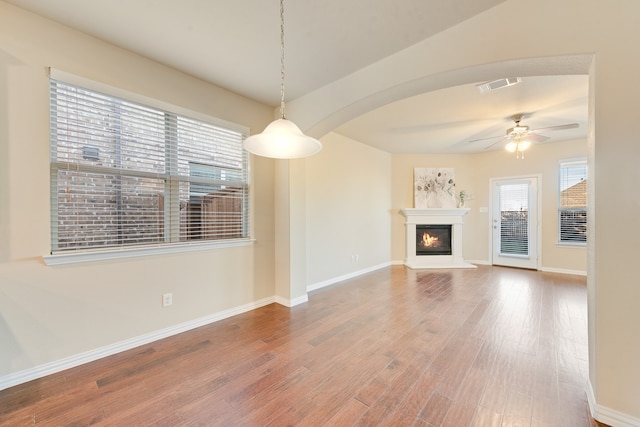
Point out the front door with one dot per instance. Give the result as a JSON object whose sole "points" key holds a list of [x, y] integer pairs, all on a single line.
{"points": [[515, 222]]}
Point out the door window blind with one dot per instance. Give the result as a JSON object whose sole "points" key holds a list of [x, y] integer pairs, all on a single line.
{"points": [[125, 174], [572, 203]]}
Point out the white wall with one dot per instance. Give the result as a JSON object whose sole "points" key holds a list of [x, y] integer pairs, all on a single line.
{"points": [[53, 313], [348, 209]]}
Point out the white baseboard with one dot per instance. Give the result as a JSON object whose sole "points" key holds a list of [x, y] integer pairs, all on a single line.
{"points": [[30, 374], [98, 353], [563, 271], [292, 302], [606, 415], [334, 280], [468, 261], [478, 261], [40, 371], [545, 269]]}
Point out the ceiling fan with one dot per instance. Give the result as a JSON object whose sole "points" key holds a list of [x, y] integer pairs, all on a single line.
{"points": [[520, 137]]}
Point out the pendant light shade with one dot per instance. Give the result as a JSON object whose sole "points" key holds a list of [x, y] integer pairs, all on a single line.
{"points": [[282, 139]]}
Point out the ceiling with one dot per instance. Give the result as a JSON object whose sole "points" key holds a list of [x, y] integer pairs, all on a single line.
{"points": [[446, 121], [222, 41]]}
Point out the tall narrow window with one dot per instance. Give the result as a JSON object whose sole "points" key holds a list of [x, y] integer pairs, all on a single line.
{"points": [[572, 204], [125, 174], [514, 219]]}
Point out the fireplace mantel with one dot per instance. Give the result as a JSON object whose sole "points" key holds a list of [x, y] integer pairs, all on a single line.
{"points": [[416, 216]]}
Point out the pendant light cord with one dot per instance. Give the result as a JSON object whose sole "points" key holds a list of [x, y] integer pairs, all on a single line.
{"points": [[282, 59]]}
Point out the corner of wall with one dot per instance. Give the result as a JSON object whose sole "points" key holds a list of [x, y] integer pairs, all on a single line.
{"points": [[606, 415]]}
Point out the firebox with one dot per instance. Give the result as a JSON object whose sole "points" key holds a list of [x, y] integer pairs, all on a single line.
{"points": [[433, 239]]}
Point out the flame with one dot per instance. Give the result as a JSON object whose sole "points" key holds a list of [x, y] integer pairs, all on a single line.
{"points": [[429, 240]]}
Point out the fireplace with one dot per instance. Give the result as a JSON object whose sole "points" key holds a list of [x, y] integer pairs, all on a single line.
{"points": [[433, 239]]}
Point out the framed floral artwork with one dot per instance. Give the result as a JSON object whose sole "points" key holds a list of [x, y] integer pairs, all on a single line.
{"points": [[434, 188]]}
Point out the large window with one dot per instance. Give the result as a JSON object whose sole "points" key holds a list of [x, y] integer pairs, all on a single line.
{"points": [[124, 174], [572, 204]]}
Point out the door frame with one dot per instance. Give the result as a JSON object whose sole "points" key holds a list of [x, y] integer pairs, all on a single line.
{"points": [[538, 233]]}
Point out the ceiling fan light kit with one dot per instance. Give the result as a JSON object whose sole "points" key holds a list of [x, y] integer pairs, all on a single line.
{"points": [[282, 139], [519, 147], [519, 137]]}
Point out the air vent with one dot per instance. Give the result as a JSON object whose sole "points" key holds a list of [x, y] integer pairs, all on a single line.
{"points": [[498, 84]]}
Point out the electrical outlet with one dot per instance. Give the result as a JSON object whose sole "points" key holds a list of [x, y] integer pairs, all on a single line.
{"points": [[167, 300]]}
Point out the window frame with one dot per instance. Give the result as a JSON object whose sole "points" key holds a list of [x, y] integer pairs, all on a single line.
{"points": [[562, 164], [147, 249]]}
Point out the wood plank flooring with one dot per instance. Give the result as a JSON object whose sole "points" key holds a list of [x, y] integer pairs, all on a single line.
{"points": [[398, 347]]}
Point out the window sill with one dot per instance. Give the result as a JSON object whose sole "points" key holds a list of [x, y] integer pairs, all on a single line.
{"points": [[571, 245], [113, 254]]}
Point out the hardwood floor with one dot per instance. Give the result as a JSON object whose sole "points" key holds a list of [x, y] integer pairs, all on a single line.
{"points": [[400, 347]]}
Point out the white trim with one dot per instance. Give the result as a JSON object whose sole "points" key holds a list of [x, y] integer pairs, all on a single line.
{"points": [[487, 262], [579, 245], [545, 269], [98, 353], [413, 215], [335, 280], [563, 271], [110, 254], [478, 261], [606, 415], [292, 302]]}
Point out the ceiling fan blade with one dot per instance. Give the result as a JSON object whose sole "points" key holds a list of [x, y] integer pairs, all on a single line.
{"points": [[487, 138], [531, 135], [559, 127], [534, 137], [495, 143]]}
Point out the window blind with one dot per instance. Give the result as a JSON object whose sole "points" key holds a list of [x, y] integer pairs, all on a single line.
{"points": [[572, 203], [122, 174], [514, 219]]}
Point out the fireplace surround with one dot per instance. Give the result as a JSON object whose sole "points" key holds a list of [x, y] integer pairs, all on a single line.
{"points": [[439, 220]]}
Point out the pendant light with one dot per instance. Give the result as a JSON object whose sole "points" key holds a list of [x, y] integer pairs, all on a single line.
{"points": [[282, 139]]}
